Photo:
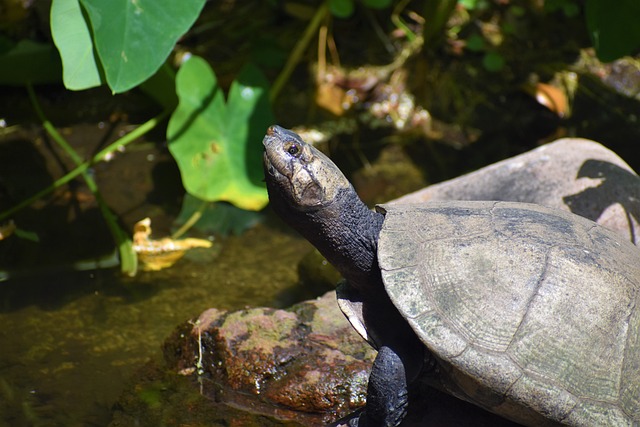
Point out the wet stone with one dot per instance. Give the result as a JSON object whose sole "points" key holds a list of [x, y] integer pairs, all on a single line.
{"points": [[303, 363], [572, 174]]}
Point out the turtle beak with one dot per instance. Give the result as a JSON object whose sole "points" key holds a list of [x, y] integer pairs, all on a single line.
{"points": [[270, 143], [276, 161]]}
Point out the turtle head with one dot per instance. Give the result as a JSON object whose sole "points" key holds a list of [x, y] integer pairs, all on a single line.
{"points": [[299, 173], [309, 192]]}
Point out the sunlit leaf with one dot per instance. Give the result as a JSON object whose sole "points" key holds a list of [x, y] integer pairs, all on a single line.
{"points": [[217, 145], [134, 38], [71, 34], [158, 254]]}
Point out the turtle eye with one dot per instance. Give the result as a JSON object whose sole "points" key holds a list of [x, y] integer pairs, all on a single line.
{"points": [[294, 149]]}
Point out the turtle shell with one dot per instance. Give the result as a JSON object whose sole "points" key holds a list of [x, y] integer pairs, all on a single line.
{"points": [[532, 312]]}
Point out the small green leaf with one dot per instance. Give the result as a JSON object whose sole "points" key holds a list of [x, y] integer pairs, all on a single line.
{"points": [[30, 62], [341, 8], [218, 146], [475, 43], [508, 28], [467, 4], [27, 235], [493, 61], [71, 34], [134, 37], [128, 257], [474, 4]]}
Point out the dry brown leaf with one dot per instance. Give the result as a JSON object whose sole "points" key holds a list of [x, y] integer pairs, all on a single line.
{"points": [[156, 255]]}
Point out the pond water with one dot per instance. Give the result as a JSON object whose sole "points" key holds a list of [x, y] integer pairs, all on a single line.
{"points": [[71, 341], [69, 351]]}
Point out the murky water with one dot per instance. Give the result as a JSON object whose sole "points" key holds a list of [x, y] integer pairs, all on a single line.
{"points": [[67, 356]]}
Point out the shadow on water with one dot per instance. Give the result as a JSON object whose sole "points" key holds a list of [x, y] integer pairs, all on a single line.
{"points": [[618, 186]]}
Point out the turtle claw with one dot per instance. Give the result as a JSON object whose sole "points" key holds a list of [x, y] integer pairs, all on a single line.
{"points": [[398, 413]]}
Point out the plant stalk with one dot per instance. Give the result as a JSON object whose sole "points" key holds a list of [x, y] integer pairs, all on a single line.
{"points": [[128, 259], [298, 50], [81, 168]]}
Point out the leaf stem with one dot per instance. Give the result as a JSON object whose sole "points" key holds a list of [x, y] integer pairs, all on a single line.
{"points": [[128, 260], [100, 156], [296, 53], [195, 217], [399, 23], [51, 130]]}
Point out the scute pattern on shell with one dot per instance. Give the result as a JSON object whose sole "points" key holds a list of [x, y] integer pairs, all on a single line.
{"points": [[533, 312]]}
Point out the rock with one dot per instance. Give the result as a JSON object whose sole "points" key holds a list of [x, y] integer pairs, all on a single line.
{"points": [[572, 174], [392, 174], [304, 363]]}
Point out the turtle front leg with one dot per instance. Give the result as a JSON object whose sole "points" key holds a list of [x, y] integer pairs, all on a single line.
{"points": [[387, 392]]}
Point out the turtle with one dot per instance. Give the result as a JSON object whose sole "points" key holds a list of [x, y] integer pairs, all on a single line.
{"points": [[528, 312]]}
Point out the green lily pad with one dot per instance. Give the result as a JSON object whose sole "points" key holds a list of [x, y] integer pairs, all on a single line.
{"points": [[72, 37], [134, 38], [217, 145]]}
